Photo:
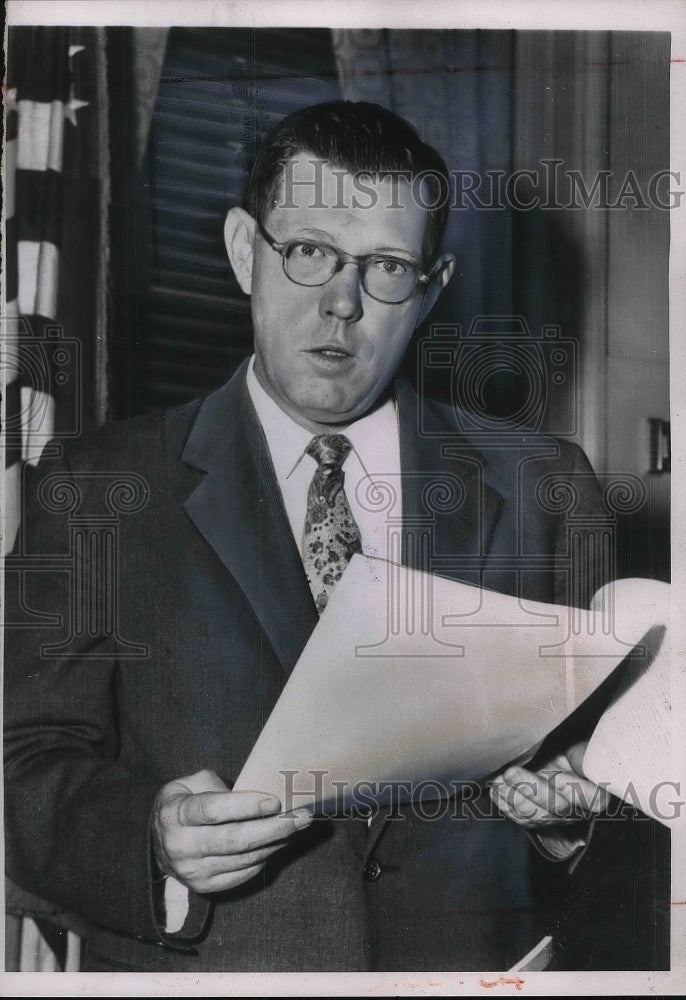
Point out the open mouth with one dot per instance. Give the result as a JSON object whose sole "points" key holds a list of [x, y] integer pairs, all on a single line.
{"points": [[331, 352]]}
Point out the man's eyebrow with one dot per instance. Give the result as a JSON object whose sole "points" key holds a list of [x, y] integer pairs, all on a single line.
{"points": [[396, 250], [317, 234]]}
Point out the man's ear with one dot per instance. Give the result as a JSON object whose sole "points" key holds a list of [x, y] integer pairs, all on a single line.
{"points": [[239, 236], [445, 266]]}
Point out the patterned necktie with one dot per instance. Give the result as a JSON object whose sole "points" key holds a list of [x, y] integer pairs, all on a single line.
{"points": [[330, 536]]}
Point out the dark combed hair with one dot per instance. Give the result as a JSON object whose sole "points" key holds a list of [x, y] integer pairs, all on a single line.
{"points": [[358, 137]]}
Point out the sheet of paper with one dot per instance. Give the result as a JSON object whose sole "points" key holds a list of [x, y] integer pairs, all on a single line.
{"points": [[630, 750], [411, 678]]}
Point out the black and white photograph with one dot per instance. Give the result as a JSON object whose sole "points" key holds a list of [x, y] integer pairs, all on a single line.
{"points": [[342, 547]]}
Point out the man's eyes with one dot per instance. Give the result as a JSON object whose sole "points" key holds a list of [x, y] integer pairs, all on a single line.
{"points": [[310, 250], [315, 251], [389, 265]]}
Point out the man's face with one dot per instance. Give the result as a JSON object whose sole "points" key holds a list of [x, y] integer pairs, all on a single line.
{"points": [[325, 354]]}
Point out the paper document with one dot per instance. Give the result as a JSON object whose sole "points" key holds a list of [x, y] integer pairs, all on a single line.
{"points": [[630, 750], [411, 678]]}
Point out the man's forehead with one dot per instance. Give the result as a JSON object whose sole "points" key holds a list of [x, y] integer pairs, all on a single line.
{"points": [[318, 194], [309, 182]]}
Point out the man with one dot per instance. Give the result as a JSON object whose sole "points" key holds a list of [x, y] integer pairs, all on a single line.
{"points": [[123, 741]]}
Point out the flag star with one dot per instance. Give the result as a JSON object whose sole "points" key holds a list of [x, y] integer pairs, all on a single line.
{"points": [[72, 107], [74, 104]]}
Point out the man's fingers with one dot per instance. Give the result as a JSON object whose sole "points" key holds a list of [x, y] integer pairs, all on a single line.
{"points": [[197, 822], [203, 798], [530, 799], [198, 873], [583, 795], [206, 861], [188, 848], [221, 864], [507, 810], [207, 808], [233, 838], [522, 807], [547, 797], [541, 791]]}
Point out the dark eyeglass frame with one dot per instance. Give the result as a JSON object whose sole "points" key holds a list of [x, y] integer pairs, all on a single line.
{"points": [[343, 258]]}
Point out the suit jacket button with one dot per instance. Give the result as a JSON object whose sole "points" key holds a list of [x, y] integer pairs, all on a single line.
{"points": [[372, 870]]}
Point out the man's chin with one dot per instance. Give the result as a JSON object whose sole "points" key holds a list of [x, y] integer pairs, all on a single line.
{"points": [[320, 419], [325, 415]]}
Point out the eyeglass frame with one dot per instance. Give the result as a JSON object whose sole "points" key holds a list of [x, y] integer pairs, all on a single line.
{"points": [[343, 258]]}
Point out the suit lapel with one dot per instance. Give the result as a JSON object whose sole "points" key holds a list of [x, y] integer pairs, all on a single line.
{"points": [[238, 509]]}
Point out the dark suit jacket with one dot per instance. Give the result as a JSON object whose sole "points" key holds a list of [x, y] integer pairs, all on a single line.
{"points": [[121, 679]]}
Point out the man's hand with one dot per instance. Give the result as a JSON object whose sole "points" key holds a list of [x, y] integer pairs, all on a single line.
{"points": [[555, 795], [212, 839]]}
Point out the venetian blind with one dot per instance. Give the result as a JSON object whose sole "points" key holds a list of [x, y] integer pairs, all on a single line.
{"points": [[221, 90]]}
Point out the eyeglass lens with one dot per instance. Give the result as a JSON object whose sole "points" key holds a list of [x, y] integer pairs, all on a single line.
{"points": [[383, 278]]}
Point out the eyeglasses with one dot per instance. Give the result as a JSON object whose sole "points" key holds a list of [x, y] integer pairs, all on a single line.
{"points": [[384, 278]]}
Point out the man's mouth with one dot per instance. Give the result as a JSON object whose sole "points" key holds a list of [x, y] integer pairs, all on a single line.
{"points": [[331, 352]]}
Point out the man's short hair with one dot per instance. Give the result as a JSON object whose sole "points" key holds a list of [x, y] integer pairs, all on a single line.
{"points": [[358, 137]]}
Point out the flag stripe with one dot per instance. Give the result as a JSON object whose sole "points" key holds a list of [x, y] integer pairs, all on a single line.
{"points": [[41, 133], [14, 328], [12, 286], [39, 422], [12, 124], [38, 272], [10, 167], [12, 423], [39, 197], [12, 509]]}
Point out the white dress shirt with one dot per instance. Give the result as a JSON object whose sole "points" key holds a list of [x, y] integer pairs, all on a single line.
{"points": [[374, 459]]}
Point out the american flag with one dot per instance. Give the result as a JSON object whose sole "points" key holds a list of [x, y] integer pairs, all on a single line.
{"points": [[51, 103]]}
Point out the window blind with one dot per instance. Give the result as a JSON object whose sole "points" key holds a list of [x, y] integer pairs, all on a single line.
{"points": [[220, 92]]}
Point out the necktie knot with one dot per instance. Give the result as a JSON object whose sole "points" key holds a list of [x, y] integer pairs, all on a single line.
{"points": [[329, 450]]}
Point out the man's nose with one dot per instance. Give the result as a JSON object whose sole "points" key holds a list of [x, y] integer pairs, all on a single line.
{"points": [[342, 295]]}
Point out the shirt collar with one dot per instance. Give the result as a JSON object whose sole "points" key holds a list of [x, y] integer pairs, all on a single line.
{"points": [[287, 439]]}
